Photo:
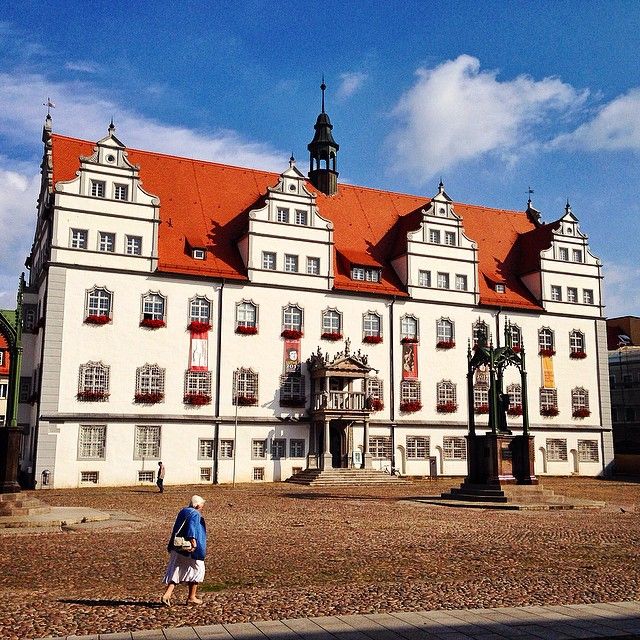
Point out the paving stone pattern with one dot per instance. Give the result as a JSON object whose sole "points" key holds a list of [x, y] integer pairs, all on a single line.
{"points": [[281, 552]]}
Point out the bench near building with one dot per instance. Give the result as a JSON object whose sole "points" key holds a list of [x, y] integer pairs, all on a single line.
{"points": [[243, 325]]}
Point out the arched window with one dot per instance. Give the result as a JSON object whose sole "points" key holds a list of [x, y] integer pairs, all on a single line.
{"points": [[576, 344], [200, 310], [480, 332], [445, 336], [409, 327], [245, 387], [153, 306], [246, 316], [331, 324], [93, 381], [149, 383], [372, 327], [515, 335], [580, 402], [292, 318], [98, 303], [446, 397], [546, 342]]}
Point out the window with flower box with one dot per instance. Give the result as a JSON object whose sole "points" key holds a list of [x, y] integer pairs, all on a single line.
{"points": [[576, 345], [480, 333], [278, 448], [380, 447], [556, 450], [480, 398], [546, 342], [245, 387], [580, 403], [548, 402], [454, 448], [331, 325], [446, 397], [153, 310], [199, 314], [147, 442], [445, 337], [93, 382], [371, 327], [374, 394], [226, 448], [409, 328], [418, 447], [514, 391], [296, 448], [197, 387], [292, 317], [410, 396], [515, 334], [149, 384], [292, 390], [258, 449], [588, 451], [246, 317], [92, 442], [205, 449], [98, 309]]}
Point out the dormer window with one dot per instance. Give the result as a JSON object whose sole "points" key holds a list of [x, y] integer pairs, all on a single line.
{"points": [[301, 217], [199, 254], [563, 253], [97, 188], [282, 215], [450, 238], [368, 274], [577, 255], [500, 288], [121, 192], [434, 236]]}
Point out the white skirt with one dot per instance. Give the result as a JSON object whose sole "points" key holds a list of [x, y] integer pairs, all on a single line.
{"points": [[183, 569]]}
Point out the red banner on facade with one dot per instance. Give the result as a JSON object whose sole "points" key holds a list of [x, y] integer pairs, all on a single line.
{"points": [[409, 361], [198, 353], [292, 355]]}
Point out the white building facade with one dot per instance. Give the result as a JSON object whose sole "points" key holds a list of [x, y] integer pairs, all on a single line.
{"points": [[173, 304]]}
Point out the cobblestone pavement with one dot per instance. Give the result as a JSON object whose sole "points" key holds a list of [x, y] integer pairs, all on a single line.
{"points": [[282, 551]]}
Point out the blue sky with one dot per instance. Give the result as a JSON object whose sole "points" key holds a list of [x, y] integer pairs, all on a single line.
{"points": [[490, 96]]}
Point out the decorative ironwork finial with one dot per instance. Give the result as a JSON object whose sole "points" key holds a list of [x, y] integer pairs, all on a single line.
{"points": [[323, 88], [50, 105]]}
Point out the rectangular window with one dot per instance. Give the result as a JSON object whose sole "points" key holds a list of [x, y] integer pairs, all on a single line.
{"points": [[205, 449], [548, 400], [89, 477], [282, 215], [133, 245], [97, 188], [292, 388], [269, 260], [301, 217], [147, 442], [278, 448], [357, 273], [121, 192], [258, 474], [418, 447], [588, 451], [79, 238], [424, 278], [572, 294], [556, 293], [25, 389], [500, 288], [587, 296], [3, 390], [577, 255], [205, 474], [443, 280], [434, 236], [197, 383], [461, 283], [296, 448], [226, 448], [563, 253], [146, 476], [450, 238], [556, 450], [258, 449], [409, 391], [380, 446], [454, 448], [199, 254], [106, 242], [30, 317], [313, 266], [290, 263], [369, 274], [92, 441]]}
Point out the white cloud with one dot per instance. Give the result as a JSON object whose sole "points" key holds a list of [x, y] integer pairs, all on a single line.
{"points": [[615, 127], [350, 82], [621, 291], [83, 66], [455, 112]]}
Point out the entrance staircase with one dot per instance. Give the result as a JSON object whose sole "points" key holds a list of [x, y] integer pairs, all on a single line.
{"points": [[343, 478]]}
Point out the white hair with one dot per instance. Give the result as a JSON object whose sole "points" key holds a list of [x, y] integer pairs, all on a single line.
{"points": [[197, 501]]}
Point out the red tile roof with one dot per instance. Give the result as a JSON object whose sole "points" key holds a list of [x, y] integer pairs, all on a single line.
{"points": [[210, 201]]}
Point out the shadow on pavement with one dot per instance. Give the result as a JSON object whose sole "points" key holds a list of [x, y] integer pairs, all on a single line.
{"points": [[113, 603]]}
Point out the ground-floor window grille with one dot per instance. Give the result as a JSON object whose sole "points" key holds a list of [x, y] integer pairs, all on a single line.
{"points": [[278, 448], [380, 446], [588, 451], [205, 474], [92, 442], [454, 448], [147, 442], [258, 473], [296, 448], [89, 477], [556, 450], [258, 449], [146, 476], [226, 448], [205, 449], [418, 447]]}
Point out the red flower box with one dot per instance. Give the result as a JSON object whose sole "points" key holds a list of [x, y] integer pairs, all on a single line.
{"points": [[481, 408], [92, 396], [578, 355], [547, 352], [515, 410], [445, 344], [245, 330], [375, 404], [411, 407], [447, 407], [409, 340], [289, 402], [197, 399], [549, 412], [148, 398], [246, 401], [150, 323], [581, 413], [292, 334], [198, 327], [329, 335], [372, 339], [95, 319]]}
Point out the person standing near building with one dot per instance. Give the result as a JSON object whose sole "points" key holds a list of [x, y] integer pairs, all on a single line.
{"points": [[160, 480]]}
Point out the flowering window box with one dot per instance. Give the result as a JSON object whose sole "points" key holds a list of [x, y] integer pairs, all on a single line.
{"points": [[198, 327], [578, 355], [96, 319], [581, 413], [481, 408], [515, 410], [375, 404], [445, 344], [292, 334], [447, 407], [331, 335], [152, 323], [197, 399], [409, 340], [247, 330], [547, 352], [246, 401], [549, 412], [92, 396], [291, 402], [149, 398], [372, 339], [411, 406]]}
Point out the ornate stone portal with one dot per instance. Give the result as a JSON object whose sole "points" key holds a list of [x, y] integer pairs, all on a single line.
{"points": [[338, 401]]}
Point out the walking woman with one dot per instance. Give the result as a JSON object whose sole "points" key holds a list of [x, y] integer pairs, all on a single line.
{"points": [[186, 564]]}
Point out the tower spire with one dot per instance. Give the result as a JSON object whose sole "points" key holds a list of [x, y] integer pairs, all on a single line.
{"points": [[323, 88]]}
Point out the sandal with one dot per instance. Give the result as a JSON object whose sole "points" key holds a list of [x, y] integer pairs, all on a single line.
{"points": [[194, 601], [166, 601]]}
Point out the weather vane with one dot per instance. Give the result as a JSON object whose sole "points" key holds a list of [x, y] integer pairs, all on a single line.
{"points": [[49, 106], [530, 191]]}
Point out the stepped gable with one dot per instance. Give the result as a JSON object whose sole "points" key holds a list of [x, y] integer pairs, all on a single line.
{"points": [[211, 201]]}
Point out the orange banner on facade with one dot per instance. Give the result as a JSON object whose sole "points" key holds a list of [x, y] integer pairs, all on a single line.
{"points": [[548, 381]]}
